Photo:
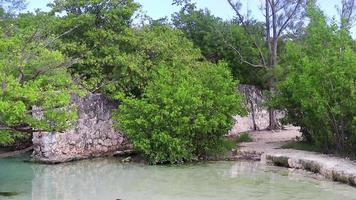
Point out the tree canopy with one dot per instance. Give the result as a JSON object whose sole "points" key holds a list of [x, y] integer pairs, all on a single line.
{"points": [[35, 84], [176, 80]]}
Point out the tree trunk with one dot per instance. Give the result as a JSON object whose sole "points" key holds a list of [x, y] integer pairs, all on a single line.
{"points": [[253, 116], [272, 43], [273, 121]]}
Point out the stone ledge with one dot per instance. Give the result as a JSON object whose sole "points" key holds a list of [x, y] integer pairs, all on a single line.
{"points": [[266, 147], [333, 168]]}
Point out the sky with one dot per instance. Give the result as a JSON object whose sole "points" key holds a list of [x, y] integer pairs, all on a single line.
{"points": [[161, 8]]}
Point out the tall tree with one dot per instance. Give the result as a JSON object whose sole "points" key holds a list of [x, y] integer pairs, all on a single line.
{"points": [[281, 16]]}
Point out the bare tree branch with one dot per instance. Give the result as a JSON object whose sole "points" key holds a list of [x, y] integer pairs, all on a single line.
{"points": [[102, 85], [347, 14], [242, 60], [61, 35], [20, 128], [241, 19], [284, 25]]}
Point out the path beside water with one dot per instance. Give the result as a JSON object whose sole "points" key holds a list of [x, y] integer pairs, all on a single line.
{"points": [[266, 147]]}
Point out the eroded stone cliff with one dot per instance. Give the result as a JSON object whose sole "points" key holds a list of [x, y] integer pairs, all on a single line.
{"points": [[92, 136]]}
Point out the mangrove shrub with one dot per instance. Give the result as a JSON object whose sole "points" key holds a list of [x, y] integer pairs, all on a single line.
{"points": [[319, 92], [183, 114]]}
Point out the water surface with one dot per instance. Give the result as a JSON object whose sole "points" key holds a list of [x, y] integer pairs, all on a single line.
{"points": [[109, 179]]}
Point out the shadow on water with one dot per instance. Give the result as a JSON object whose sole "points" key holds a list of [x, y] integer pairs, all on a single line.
{"points": [[8, 194]]}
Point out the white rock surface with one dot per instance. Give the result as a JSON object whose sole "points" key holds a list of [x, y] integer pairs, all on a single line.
{"points": [[92, 136], [266, 147], [257, 118]]}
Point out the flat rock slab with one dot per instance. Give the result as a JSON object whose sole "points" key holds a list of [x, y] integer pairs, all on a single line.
{"points": [[266, 146], [336, 169]]}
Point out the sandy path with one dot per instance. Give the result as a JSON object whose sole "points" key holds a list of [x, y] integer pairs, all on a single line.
{"points": [[269, 140]]}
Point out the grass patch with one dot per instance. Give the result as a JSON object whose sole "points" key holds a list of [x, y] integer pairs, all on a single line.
{"points": [[301, 146], [243, 137], [284, 173]]}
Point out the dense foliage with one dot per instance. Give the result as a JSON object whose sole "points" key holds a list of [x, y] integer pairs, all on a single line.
{"points": [[224, 40], [182, 106], [97, 33], [183, 114], [177, 82], [34, 81], [319, 92], [148, 48]]}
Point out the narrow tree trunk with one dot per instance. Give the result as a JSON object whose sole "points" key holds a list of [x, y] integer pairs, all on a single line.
{"points": [[272, 44], [273, 121], [268, 33], [253, 116]]}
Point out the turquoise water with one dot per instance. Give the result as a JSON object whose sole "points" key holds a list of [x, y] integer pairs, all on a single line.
{"points": [[109, 179]]}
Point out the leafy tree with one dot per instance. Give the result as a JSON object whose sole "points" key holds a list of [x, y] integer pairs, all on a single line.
{"points": [[146, 49], [183, 114], [223, 40], [280, 17], [97, 31], [319, 90], [35, 86]]}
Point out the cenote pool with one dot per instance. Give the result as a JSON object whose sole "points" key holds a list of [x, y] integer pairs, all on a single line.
{"points": [[109, 179]]}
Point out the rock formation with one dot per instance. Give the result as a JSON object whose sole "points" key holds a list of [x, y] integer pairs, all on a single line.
{"points": [[257, 117], [92, 136]]}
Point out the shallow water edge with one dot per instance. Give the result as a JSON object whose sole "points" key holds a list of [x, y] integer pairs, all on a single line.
{"points": [[109, 178]]}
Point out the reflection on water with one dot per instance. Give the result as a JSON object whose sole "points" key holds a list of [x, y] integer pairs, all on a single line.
{"points": [[108, 179]]}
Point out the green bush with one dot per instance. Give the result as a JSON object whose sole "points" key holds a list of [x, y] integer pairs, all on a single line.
{"points": [[319, 93], [243, 137], [183, 114]]}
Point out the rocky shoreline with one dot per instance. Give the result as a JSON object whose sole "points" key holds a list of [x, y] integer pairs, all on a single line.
{"points": [[336, 169]]}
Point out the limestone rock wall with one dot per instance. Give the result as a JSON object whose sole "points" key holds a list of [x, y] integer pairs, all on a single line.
{"points": [[257, 118], [92, 136]]}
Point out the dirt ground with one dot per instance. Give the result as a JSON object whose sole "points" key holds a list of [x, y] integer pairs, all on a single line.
{"points": [[268, 140]]}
